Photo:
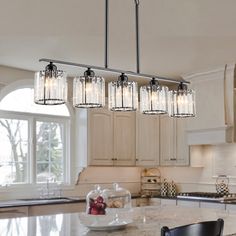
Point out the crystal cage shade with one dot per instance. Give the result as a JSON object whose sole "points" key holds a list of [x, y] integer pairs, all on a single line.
{"points": [[182, 103], [50, 89], [89, 92], [123, 96], [153, 99]]}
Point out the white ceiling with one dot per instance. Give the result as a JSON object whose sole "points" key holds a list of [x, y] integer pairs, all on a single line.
{"points": [[176, 36]]}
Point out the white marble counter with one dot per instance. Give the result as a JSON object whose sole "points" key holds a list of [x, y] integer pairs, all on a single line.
{"points": [[146, 221]]}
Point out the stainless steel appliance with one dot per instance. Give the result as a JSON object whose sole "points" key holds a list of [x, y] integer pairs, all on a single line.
{"points": [[207, 196]]}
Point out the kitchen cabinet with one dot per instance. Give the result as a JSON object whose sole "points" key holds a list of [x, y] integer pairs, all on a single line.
{"points": [[192, 204], [124, 138], [38, 210], [100, 137], [111, 138], [154, 201], [230, 207], [172, 202], [174, 150], [147, 140], [13, 212], [213, 205]]}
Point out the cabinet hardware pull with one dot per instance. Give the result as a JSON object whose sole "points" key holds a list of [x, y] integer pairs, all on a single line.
{"points": [[173, 159]]}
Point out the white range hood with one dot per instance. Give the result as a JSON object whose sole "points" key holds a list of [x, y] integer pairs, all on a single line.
{"points": [[214, 123]]}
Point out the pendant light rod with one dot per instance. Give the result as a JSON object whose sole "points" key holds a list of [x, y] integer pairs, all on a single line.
{"points": [[106, 32], [137, 35], [116, 71]]}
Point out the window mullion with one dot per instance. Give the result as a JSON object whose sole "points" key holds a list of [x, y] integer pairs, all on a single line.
{"points": [[33, 151]]}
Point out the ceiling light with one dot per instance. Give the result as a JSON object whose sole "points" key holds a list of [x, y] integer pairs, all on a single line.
{"points": [[50, 86], [153, 98], [122, 94], [182, 102], [89, 90]]}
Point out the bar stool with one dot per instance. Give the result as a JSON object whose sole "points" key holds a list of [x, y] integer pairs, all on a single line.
{"points": [[206, 228]]}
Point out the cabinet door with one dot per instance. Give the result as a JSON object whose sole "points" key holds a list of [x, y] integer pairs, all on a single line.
{"points": [[182, 148], [100, 137], [213, 205], [168, 202], [124, 138], [192, 204], [147, 140], [167, 141], [56, 209]]}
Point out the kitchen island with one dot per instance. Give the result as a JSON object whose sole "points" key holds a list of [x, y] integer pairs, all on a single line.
{"points": [[146, 221]]}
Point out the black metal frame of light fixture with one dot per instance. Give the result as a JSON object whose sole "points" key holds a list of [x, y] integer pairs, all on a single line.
{"points": [[118, 71]]}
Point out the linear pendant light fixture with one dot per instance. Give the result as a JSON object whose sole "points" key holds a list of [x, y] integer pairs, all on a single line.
{"points": [[89, 90]]}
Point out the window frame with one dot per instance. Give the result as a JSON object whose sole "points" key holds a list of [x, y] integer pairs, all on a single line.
{"points": [[31, 166]]}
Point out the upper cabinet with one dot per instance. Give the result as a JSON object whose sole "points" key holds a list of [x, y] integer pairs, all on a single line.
{"points": [[124, 138], [111, 138], [174, 150], [147, 140], [129, 139], [100, 137], [214, 119], [182, 148]]}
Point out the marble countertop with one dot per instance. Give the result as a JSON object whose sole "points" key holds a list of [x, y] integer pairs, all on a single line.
{"points": [[146, 221]]}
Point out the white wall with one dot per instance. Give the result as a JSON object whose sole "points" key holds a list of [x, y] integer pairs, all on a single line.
{"points": [[216, 160]]}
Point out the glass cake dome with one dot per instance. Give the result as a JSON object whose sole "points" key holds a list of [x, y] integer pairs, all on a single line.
{"points": [[117, 197]]}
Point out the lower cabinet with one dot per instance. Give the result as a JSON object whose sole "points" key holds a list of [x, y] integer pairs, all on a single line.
{"points": [[13, 212], [193, 204], [56, 209], [168, 202], [213, 205], [154, 201], [37, 210], [230, 207]]}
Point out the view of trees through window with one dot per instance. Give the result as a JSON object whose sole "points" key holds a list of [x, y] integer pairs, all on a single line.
{"points": [[14, 150], [28, 142], [49, 151]]}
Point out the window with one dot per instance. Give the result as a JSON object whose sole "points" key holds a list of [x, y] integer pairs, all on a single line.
{"points": [[33, 140]]}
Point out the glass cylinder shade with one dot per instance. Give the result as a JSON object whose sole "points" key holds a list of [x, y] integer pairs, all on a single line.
{"points": [[50, 88], [182, 103], [89, 92], [123, 96], [153, 99]]}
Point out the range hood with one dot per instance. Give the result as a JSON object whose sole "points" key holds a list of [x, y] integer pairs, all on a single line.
{"points": [[215, 102]]}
